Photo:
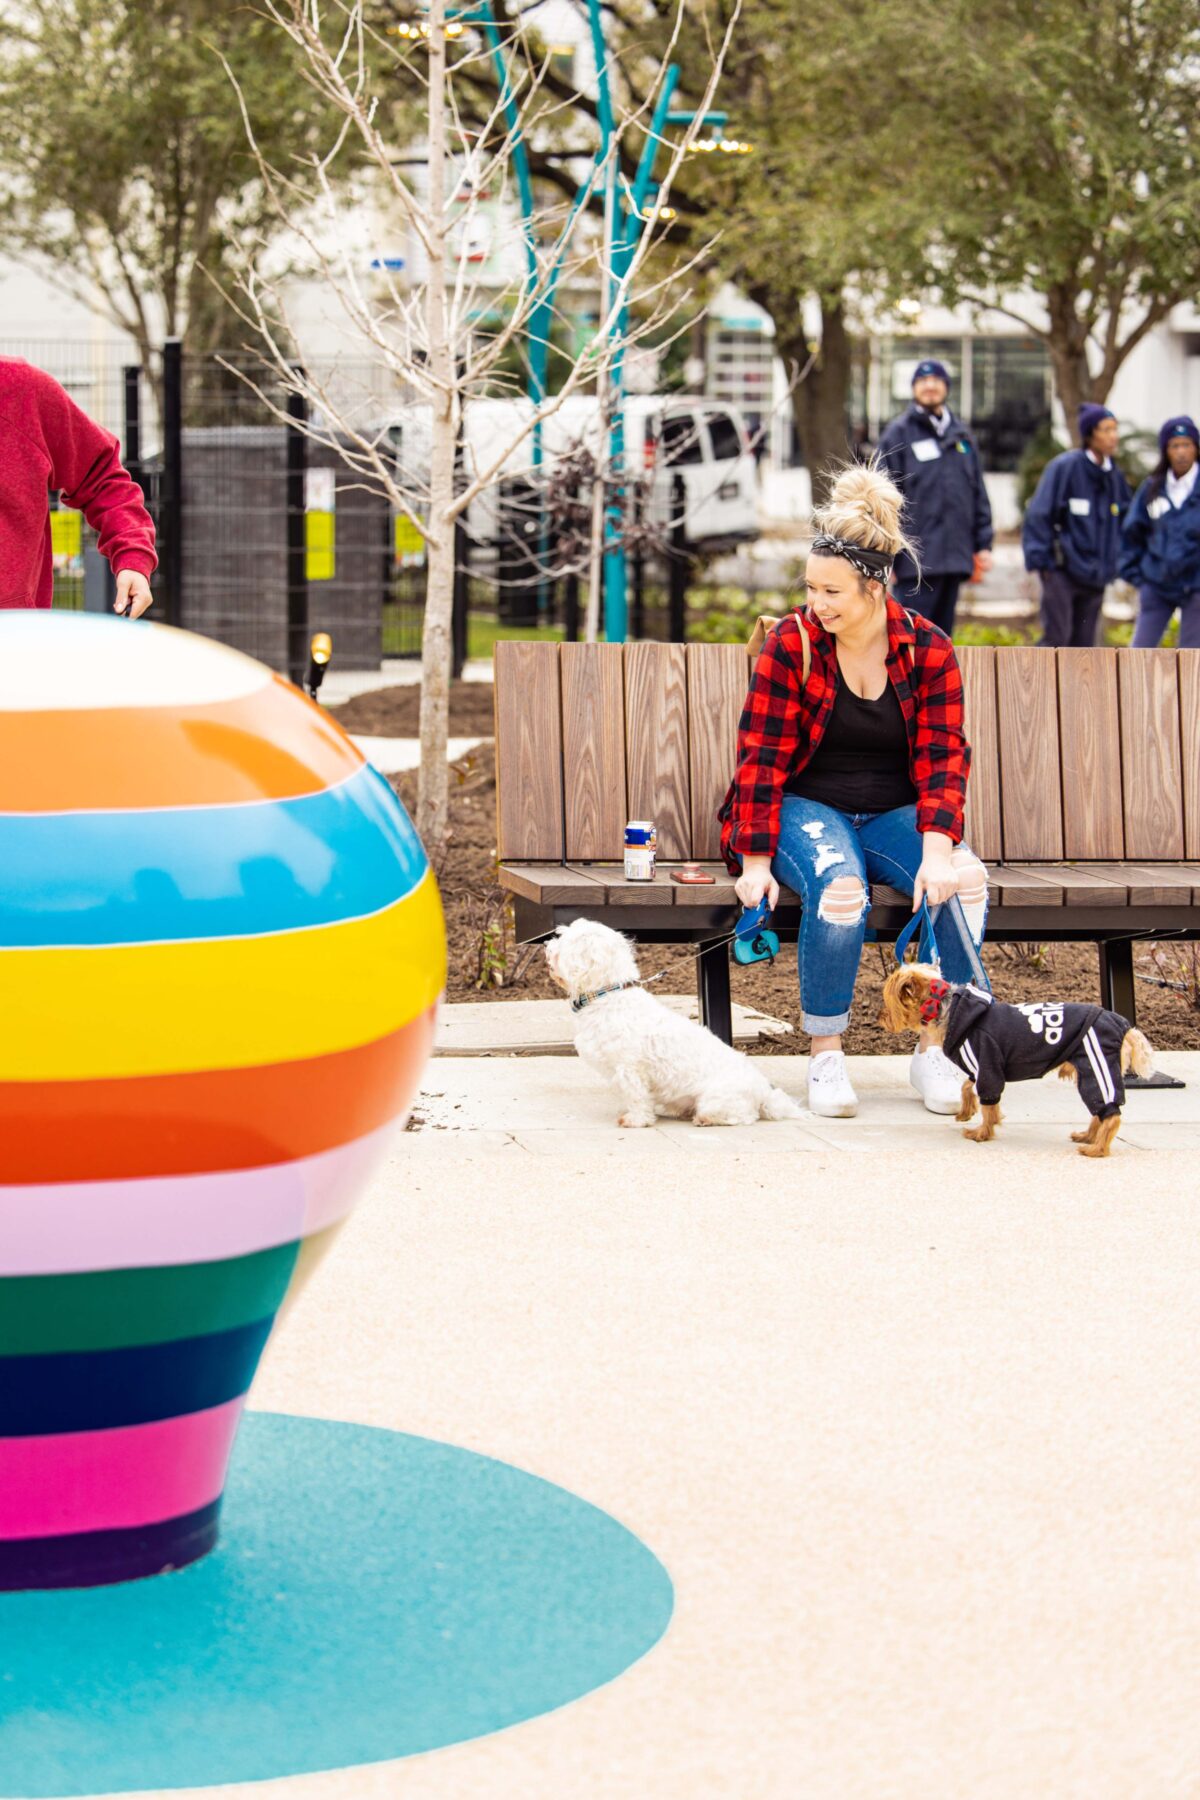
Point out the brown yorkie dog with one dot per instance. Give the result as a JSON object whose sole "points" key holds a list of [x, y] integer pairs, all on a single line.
{"points": [[993, 1044]]}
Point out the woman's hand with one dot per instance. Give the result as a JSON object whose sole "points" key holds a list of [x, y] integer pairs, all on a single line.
{"points": [[937, 880], [756, 880]]}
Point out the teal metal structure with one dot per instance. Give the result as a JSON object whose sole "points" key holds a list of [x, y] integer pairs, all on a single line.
{"points": [[626, 219]]}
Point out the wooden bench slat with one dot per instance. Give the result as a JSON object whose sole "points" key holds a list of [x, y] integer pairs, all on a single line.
{"points": [[1189, 720], [1150, 767], [1014, 885], [529, 749], [718, 675], [619, 892], [982, 829], [1093, 814], [1158, 884], [1080, 887], [720, 893], [1030, 784], [656, 743], [593, 738], [549, 884]]}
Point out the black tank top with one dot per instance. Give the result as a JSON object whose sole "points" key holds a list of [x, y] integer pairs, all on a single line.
{"points": [[862, 762]]}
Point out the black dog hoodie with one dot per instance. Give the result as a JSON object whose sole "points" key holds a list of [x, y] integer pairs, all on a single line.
{"points": [[993, 1044]]}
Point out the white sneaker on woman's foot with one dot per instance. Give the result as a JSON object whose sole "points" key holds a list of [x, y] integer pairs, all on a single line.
{"points": [[936, 1079], [830, 1095]]}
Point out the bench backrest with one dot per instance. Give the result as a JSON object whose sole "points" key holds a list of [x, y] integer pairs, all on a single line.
{"points": [[1079, 754]]}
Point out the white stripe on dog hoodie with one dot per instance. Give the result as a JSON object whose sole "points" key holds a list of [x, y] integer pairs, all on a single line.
{"points": [[992, 1044]]}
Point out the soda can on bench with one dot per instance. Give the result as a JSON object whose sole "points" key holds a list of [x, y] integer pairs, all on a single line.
{"points": [[641, 848]]}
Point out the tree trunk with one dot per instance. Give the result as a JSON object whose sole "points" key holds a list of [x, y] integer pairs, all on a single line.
{"points": [[1067, 343], [822, 399], [433, 784]]}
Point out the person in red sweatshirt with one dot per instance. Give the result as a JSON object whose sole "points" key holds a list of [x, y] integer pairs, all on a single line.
{"points": [[47, 443]]}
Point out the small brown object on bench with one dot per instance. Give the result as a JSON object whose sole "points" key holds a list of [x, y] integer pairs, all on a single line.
{"points": [[1084, 799]]}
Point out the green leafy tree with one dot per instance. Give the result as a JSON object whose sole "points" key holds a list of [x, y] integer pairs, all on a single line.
{"points": [[125, 174], [1066, 149]]}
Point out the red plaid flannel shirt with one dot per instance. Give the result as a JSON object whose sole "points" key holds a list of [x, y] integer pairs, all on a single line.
{"points": [[784, 720]]}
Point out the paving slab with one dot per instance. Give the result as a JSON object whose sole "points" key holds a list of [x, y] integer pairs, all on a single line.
{"points": [[394, 755], [552, 1100], [547, 1027], [912, 1430], [919, 1454], [394, 671]]}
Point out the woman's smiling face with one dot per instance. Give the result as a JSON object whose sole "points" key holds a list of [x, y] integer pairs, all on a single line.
{"points": [[838, 596]]}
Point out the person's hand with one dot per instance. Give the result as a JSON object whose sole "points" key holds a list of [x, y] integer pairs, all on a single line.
{"points": [[756, 880], [133, 593], [983, 561], [937, 880]]}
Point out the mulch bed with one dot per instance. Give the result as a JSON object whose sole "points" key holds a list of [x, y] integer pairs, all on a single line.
{"points": [[466, 874], [393, 711]]}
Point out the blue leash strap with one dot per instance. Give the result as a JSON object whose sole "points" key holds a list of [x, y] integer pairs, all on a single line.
{"points": [[921, 920]]}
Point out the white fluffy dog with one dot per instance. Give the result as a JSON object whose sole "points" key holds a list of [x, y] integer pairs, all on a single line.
{"points": [[662, 1065]]}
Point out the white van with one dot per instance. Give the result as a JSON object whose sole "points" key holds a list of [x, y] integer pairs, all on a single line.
{"points": [[701, 442]]}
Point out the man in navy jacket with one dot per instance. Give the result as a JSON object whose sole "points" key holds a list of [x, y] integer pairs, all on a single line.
{"points": [[1160, 545], [931, 456], [1072, 532]]}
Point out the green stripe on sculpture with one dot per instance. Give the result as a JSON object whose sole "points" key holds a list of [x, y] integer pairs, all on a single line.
{"points": [[116, 1309]]}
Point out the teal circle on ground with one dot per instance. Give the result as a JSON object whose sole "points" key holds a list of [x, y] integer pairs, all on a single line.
{"points": [[373, 1595]]}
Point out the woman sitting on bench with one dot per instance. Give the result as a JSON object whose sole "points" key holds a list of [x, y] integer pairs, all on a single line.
{"points": [[852, 768]]}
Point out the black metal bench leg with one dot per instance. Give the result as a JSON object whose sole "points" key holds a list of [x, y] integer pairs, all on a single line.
{"points": [[1117, 991], [712, 986], [1116, 978]]}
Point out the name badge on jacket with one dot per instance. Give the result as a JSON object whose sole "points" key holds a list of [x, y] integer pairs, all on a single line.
{"points": [[926, 449], [1159, 508], [1081, 508]]}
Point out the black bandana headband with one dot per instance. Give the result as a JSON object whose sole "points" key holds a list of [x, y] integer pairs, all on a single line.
{"points": [[873, 565]]}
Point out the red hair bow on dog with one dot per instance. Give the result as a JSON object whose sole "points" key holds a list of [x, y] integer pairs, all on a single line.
{"points": [[938, 989]]}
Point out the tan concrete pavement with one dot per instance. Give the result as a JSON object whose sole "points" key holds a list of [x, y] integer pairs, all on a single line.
{"points": [[912, 1424]]}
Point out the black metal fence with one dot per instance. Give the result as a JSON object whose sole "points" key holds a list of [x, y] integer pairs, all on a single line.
{"points": [[265, 537]]}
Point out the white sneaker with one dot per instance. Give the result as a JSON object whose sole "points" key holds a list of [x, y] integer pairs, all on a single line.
{"points": [[936, 1079], [830, 1095]]}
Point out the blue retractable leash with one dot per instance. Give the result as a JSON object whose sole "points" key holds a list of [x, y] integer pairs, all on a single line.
{"points": [[922, 919], [751, 941]]}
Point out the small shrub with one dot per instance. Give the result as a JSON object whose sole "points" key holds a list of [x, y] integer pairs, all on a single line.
{"points": [[1029, 958], [1178, 968], [729, 614], [978, 631]]}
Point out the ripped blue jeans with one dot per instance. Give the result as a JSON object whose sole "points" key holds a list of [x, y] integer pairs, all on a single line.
{"points": [[819, 847]]}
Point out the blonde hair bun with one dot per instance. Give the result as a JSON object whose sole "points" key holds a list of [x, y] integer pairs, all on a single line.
{"points": [[865, 507]]}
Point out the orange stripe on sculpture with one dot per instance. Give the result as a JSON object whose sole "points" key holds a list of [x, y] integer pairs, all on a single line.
{"points": [[273, 745], [218, 1119]]}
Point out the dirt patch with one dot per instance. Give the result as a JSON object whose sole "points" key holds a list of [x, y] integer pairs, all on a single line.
{"points": [[393, 711], [475, 908]]}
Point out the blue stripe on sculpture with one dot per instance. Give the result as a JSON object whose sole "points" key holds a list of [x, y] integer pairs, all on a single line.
{"points": [[207, 872], [95, 1390]]}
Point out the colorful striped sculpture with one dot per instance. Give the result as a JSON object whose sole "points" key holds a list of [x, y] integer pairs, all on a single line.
{"points": [[221, 947]]}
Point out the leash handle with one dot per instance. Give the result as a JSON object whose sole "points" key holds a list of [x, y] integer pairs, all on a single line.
{"points": [[922, 920]]}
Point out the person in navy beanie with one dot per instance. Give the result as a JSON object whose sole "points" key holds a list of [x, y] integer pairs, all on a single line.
{"points": [[1160, 542], [1072, 531], [932, 458]]}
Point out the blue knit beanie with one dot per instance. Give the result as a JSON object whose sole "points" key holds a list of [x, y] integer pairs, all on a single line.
{"points": [[930, 367], [1090, 416], [1178, 427]]}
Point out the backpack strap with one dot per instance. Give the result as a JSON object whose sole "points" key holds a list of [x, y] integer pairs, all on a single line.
{"points": [[767, 622]]}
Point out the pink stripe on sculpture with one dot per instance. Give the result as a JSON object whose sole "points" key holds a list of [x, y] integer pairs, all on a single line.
{"points": [[111, 1480], [153, 1223]]}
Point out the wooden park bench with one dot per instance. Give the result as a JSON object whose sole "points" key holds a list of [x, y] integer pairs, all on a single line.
{"points": [[1084, 801]]}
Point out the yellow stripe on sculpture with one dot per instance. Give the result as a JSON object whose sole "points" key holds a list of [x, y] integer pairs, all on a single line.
{"points": [[157, 1009]]}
